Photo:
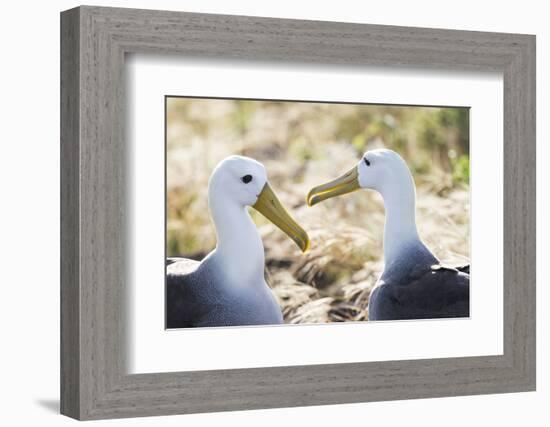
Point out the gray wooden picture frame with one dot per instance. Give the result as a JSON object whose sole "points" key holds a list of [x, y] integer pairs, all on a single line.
{"points": [[94, 41]]}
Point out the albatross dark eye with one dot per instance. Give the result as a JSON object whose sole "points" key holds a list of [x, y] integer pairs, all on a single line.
{"points": [[246, 179], [367, 162]]}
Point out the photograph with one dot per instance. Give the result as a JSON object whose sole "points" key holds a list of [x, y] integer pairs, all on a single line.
{"points": [[310, 212]]}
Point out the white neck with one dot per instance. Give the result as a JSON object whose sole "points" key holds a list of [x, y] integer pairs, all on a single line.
{"points": [[400, 233], [239, 247]]}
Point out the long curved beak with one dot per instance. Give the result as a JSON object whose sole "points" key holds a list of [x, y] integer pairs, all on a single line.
{"points": [[269, 206], [344, 184]]}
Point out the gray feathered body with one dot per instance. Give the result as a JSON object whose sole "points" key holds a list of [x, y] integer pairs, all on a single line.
{"points": [[419, 287], [198, 295]]}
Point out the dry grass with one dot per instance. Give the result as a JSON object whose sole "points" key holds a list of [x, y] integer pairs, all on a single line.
{"points": [[302, 145]]}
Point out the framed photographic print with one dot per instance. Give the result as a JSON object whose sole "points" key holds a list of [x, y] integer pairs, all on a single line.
{"points": [[324, 212]]}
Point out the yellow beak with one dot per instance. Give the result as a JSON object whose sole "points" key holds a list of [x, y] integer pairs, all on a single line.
{"points": [[269, 206], [344, 184]]}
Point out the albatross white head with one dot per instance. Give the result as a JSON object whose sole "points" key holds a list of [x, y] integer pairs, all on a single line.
{"points": [[236, 183], [386, 172]]}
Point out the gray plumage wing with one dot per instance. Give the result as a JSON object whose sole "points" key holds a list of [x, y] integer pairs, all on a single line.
{"points": [[464, 268], [198, 296], [429, 293], [181, 281]]}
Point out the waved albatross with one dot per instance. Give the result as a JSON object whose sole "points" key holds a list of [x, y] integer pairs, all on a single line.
{"points": [[414, 284], [227, 288]]}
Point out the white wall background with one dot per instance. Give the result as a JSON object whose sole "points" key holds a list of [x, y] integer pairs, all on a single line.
{"points": [[29, 212]]}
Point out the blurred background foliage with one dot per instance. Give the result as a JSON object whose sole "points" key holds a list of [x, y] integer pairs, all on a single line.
{"points": [[303, 144]]}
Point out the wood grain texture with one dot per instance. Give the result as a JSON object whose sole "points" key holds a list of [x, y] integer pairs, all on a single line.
{"points": [[70, 292], [95, 235]]}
